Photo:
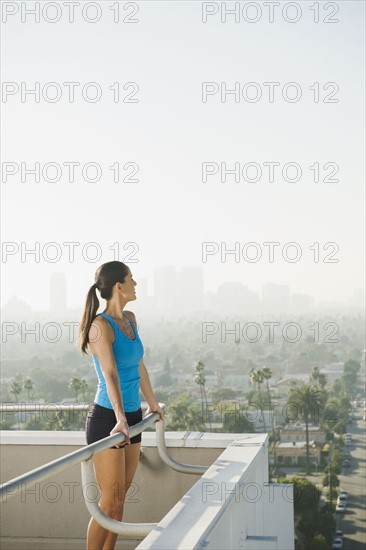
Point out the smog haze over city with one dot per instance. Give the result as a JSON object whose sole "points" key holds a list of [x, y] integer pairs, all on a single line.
{"points": [[231, 159]]}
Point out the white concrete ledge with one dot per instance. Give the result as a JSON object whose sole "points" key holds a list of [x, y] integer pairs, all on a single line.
{"points": [[231, 506], [173, 439]]}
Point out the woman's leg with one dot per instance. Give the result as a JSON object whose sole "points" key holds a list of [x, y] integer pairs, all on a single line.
{"points": [[109, 467], [132, 455]]}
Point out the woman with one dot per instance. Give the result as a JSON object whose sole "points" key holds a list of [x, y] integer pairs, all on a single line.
{"points": [[117, 353]]}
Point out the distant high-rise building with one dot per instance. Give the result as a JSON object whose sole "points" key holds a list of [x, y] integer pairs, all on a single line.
{"points": [[301, 303], [275, 298], [58, 292], [234, 297], [189, 289], [16, 309], [357, 299], [165, 288]]}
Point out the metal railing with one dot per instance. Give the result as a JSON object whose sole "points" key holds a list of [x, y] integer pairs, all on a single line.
{"points": [[169, 461], [85, 457]]}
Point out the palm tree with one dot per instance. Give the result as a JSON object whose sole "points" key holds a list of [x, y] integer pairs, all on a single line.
{"points": [[200, 380], [308, 399], [237, 343], [314, 375], [267, 374], [16, 389], [322, 380], [75, 384], [337, 387], [256, 377], [83, 387], [28, 385]]}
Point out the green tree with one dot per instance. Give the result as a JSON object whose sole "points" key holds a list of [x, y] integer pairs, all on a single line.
{"points": [[58, 422], [16, 389], [331, 495], [308, 400], [222, 394], [28, 386], [332, 478], [314, 375], [327, 524], [36, 423], [201, 380], [162, 396], [338, 416], [352, 366], [307, 528], [267, 375], [235, 420], [340, 427], [319, 378], [337, 387], [84, 387], [7, 423], [183, 414], [350, 373], [306, 509], [322, 380], [75, 384], [256, 377], [319, 543]]}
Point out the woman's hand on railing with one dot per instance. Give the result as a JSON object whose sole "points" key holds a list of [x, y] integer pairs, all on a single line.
{"points": [[121, 426], [157, 409]]}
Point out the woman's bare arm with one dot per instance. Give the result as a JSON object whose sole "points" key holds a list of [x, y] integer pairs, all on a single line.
{"points": [[148, 392]]}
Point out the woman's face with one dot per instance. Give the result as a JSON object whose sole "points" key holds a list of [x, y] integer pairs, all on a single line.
{"points": [[128, 287]]}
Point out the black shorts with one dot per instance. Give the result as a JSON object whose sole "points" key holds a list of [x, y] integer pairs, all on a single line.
{"points": [[100, 421]]}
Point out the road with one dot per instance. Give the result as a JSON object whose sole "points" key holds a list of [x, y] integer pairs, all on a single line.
{"points": [[353, 480]]}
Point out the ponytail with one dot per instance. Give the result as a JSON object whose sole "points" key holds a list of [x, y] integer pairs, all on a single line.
{"points": [[90, 310], [106, 276]]}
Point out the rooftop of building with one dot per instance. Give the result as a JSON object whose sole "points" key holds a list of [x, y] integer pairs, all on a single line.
{"points": [[232, 498]]}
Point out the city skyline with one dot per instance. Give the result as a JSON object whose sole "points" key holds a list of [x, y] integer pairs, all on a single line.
{"points": [[168, 294]]}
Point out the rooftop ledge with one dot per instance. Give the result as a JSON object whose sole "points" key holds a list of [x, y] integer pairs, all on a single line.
{"points": [[172, 439], [231, 505]]}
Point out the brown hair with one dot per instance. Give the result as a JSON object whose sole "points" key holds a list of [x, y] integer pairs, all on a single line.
{"points": [[106, 276]]}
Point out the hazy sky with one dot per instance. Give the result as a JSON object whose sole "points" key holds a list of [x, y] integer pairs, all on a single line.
{"points": [[170, 132]]}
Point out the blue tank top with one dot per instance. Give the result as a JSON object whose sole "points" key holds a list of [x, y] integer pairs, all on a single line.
{"points": [[127, 354]]}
